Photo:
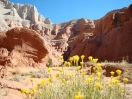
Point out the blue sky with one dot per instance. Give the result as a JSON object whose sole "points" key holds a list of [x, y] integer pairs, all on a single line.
{"points": [[65, 10]]}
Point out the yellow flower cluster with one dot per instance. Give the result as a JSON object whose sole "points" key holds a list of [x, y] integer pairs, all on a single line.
{"points": [[71, 59], [31, 79], [61, 57], [95, 60], [112, 73], [90, 58], [29, 92], [49, 70], [98, 85], [93, 84], [42, 82], [125, 80], [50, 79], [89, 80], [118, 72], [25, 91], [79, 96], [82, 57]]}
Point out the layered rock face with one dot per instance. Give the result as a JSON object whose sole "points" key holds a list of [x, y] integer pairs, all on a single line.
{"points": [[20, 15], [22, 46]]}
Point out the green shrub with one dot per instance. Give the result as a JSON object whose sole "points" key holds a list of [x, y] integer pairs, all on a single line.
{"points": [[50, 63]]}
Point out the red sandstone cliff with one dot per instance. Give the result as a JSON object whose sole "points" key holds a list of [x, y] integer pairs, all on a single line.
{"points": [[111, 40]]}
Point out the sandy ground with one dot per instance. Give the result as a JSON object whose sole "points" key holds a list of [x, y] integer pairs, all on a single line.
{"points": [[13, 90]]}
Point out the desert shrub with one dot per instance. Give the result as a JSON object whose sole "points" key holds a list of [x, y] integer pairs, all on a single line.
{"points": [[38, 74], [4, 91], [50, 63], [17, 78], [78, 85]]}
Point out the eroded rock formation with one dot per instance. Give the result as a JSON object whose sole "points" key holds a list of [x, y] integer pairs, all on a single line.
{"points": [[22, 46], [19, 15], [111, 40]]}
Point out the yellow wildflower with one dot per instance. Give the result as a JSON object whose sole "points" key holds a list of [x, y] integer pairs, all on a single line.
{"points": [[79, 96], [43, 81], [71, 59], [95, 60], [61, 57], [81, 63], [31, 79], [33, 89], [78, 67], [125, 80], [76, 59], [90, 58], [83, 73], [57, 75], [71, 74], [50, 79], [118, 72], [116, 81], [88, 80], [99, 65], [111, 77], [122, 91], [22, 90], [60, 70], [82, 57], [26, 92], [112, 73], [39, 84], [49, 70], [99, 68], [63, 80], [69, 64], [65, 63], [98, 85], [98, 74]]}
